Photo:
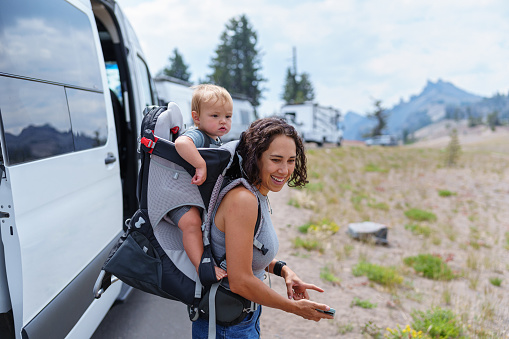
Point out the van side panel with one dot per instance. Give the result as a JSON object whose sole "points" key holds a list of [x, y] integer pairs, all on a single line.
{"points": [[66, 204]]}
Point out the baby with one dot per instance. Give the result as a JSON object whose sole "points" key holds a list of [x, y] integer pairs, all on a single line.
{"points": [[212, 108]]}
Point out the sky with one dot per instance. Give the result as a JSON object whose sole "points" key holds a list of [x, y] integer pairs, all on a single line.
{"points": [[355, 51]]}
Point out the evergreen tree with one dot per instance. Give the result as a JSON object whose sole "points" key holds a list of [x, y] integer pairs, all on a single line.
{"points": [[236, 65], [453, 149], [178, 69], [290, 88], [380, 115], [296, 91], [492, 120]]}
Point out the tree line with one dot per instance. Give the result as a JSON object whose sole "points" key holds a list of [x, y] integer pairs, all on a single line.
{"points": [[236, 65]]}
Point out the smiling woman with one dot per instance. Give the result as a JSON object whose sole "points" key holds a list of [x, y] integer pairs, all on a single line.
{"points": [[271, 154]]}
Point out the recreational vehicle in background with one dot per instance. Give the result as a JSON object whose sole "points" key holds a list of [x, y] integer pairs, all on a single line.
{"points": [[180, 92], [315, 123], [74, 83]]}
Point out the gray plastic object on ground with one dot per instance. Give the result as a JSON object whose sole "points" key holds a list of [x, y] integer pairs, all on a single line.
{"points": [[368, 230]]}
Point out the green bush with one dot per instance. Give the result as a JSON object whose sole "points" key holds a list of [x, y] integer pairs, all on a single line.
{"points": [[362, 303], [496, 281], [382, 275], [304, 228], [445, 193], [419, 229], [420, 215], [374, 168], [430, 266], [307, 244], [438, 323], [327, 274], [325, 225]]}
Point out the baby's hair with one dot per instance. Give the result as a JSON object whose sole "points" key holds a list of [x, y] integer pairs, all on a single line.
{"points": [[209, 93], [257, 139]]}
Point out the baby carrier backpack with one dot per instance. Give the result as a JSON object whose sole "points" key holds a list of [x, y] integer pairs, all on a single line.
{"points": [[150, 255]]}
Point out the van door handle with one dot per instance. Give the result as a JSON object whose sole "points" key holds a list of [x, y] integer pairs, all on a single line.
{"points": [[110, 158]]}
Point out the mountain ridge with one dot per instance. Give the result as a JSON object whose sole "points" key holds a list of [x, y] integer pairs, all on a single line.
{"points": [[435, 102]]}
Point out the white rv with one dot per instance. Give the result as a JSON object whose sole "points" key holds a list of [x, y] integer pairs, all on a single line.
{"points": [[73, 82], [315, 123], [179, 91]]}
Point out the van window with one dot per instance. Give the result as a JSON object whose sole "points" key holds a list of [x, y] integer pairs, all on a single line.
{"points": [[35, 120], [144, 83], [42, 120], [88, 118], [50, 40]]}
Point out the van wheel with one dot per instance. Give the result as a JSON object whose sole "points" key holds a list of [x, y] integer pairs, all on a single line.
{"points": [[340, 141]]}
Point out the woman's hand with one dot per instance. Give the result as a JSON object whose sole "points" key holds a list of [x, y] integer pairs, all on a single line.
{"points": [[308, 310], [296, 289]]}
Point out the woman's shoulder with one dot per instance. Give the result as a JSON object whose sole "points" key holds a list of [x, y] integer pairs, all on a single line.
{"points": [[238, 204], [240, 195]]}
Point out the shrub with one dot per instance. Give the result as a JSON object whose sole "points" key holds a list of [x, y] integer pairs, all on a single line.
{"points": [[399, 333], [420, 215], [304, 228], [325, 225], [430, 266], [326, 274], [438, 323], [419, 229], [362, 303], [307, 244], [374, 168], [445, 193], [496, 281], [382, 275]]}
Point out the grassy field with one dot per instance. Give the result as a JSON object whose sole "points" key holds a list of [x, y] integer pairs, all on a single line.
{"points": [[447, 261]]}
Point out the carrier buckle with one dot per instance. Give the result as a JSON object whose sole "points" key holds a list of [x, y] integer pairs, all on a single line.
{"points": [[149, 143]]}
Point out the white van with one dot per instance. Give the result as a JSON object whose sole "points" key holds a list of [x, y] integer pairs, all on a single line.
{"points": [[73, 83]]}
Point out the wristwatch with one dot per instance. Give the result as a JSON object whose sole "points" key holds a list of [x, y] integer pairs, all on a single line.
{"points": [[278, 266]]}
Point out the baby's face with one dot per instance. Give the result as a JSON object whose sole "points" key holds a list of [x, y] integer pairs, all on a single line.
{"points": [[215, 118]]}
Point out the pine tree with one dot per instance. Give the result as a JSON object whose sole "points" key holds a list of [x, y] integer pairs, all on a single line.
{"points": [[380, 115], [236, 65], [453, 150], [178, 69], [297, 91]]}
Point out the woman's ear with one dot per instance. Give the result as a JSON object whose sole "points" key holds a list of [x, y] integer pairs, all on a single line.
{"points": [[196, 117]]}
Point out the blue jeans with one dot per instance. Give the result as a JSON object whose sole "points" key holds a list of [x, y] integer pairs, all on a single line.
{"points": [[249, 328]]}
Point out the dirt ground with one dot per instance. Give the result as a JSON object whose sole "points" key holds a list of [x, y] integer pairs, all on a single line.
{"points": [[483, 302]]}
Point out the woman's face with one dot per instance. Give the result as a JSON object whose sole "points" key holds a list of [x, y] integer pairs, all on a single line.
{"points": [[277, 164]]}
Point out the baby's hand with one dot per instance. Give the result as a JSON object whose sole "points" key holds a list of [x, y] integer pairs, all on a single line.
{"points": [[220, 273], [199, 176]]}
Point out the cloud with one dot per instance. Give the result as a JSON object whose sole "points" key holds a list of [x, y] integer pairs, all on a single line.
{"points": [[354, 50]]}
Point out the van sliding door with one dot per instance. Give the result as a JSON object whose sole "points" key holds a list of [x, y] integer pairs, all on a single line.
{"points": [[61, 186]]}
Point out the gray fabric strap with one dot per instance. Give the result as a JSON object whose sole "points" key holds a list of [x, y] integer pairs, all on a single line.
{"points": [[212, 310], [197, 288]]}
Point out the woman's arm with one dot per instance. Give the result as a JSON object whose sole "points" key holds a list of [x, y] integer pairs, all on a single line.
{"points": [[236, 217]]}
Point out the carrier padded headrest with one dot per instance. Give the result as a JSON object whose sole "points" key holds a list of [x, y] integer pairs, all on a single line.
{"points": [[167, 120]]}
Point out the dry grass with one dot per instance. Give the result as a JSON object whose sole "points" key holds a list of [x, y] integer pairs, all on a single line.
{"points": [[468, 228]]}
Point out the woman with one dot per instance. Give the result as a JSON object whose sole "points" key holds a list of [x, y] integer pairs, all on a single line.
{"points": [[272, 154]]}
